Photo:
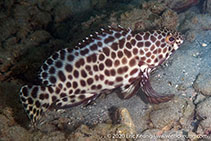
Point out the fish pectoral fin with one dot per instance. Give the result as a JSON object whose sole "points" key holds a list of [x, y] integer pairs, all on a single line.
{"points": [[152, 96], [130, 91], [36, 100]]}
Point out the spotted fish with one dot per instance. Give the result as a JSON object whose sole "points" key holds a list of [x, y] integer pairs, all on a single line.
{"points": [[114, 58]]}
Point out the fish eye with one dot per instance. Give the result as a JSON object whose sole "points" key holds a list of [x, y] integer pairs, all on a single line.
{"points": [[170, 39]]}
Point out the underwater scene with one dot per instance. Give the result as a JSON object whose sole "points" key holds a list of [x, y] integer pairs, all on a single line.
{"points": [[101, 70]]}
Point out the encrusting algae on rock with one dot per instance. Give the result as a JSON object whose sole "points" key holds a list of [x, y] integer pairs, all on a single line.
{"points": [[114, 58]]}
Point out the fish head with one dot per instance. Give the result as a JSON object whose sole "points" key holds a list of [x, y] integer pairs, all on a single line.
{"points": [[159, 45], [173, 39]]}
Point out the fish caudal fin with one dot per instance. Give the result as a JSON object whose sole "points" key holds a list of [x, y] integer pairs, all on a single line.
{"points": [[36, 100]]}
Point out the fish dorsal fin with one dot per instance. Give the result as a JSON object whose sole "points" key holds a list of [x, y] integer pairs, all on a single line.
{"points": [[64, 60], [100, 35]]}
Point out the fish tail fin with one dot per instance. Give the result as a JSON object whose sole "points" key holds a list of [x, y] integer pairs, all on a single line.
{"points": [[36, 100]]}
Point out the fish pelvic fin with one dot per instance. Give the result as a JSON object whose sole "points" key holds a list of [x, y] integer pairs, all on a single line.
{"points": [[154, 97]]}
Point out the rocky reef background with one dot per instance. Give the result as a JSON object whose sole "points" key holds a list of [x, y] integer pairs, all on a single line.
{"points": [[30, 31]]}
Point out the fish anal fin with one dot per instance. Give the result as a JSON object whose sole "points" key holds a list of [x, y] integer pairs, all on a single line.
{"points": [[38, 99], [73, 100]]}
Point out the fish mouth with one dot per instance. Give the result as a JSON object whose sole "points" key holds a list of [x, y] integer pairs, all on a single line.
{"points": [[176, 46], [179, 41]]}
